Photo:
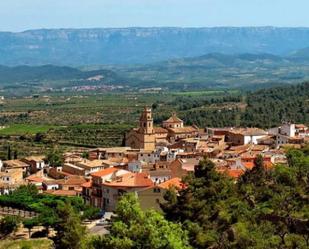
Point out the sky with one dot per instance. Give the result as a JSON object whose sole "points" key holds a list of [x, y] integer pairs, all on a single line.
{"points": [[19, 15]]}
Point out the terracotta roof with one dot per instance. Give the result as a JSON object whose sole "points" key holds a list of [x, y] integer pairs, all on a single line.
{"points": [[61, 192], [131, 180], [174, 182], [234, 173], [87, 184], [114, 160], [104, 172], [268, 165], [248, 131], [258, 147], [160, 130], [240, 147], [35, 158], [93, 163], [15, 163], [73, 180], [248, 165], [34, 178], [173, 119], [186, 129]]}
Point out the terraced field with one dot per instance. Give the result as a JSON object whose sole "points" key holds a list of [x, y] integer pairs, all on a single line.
{"points": [[95, 135]]}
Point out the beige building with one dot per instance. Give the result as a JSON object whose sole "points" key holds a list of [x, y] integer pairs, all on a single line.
{"points": [[147, 136], [144, 136]]}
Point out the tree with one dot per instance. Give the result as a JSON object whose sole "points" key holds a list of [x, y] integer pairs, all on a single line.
{"points": [[8, 224], [9, 153], [39, 137], [30, 223], [91, 213], [15, 154], [85, 154], [133, 228], [47, 218], [54, 158], [203, 207], [69, 230]]}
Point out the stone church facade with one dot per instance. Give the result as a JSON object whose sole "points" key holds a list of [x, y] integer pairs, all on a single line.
{"points": [[146, 136]]}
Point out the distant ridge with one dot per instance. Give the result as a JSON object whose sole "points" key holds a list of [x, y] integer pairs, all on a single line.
{"points": [[76, 47], [51, 72]]}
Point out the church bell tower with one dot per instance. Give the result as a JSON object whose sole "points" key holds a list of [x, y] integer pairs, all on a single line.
{"points": [[146, 121]]}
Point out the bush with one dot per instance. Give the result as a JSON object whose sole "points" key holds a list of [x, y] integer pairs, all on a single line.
{"points": [[91, 213], [8, 224]]}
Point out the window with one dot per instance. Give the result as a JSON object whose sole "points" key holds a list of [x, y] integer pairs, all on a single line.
{"points": [[71, 188]]}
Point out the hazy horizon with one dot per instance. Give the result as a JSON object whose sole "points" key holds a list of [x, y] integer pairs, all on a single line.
{"points": [[159, 27], [18, 16]]}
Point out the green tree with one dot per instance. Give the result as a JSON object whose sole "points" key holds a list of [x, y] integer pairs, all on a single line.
{"points": [[54, 158], [70, 232], [30, 223], [8, 224], [91, 213], [133, 228], [9, 153]]}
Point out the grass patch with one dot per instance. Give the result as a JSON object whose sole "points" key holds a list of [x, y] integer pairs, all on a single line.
{"points": [[32, 243], [24, 129]]}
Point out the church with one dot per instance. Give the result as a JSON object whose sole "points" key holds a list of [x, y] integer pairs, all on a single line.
{"points": [[146, 136]]}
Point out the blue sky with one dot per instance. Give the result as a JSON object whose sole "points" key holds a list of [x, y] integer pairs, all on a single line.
{"points": [[18, 15]]}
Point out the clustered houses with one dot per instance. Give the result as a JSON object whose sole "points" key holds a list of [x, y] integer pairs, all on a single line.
{"points": [[154, 159]]}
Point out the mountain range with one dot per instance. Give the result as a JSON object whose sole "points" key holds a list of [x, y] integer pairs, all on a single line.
{"points": [[214, 70], [78, 47], [20, 74]]}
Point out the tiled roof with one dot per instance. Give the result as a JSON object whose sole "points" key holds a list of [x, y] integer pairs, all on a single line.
{"points": [[186, 129], [73, 180], [160, 130], [61, 192], [15, 163], [248, 165], [34, 178], [131, 180], [35, 158], [87, 184], [93, 163], [173, 119], [248, 131], [104, 172], [174, 182], [234, 173]]}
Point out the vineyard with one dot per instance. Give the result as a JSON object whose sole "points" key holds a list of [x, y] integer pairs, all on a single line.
{"points": [[89, 135], [34, 125]]}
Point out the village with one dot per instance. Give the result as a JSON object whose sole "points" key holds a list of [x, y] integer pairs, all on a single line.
{"points": [[154, 160]]}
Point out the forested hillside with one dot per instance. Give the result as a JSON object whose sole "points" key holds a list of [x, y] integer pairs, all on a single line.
{"points": [[49, 73], [269, 107], [264, 108]]}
